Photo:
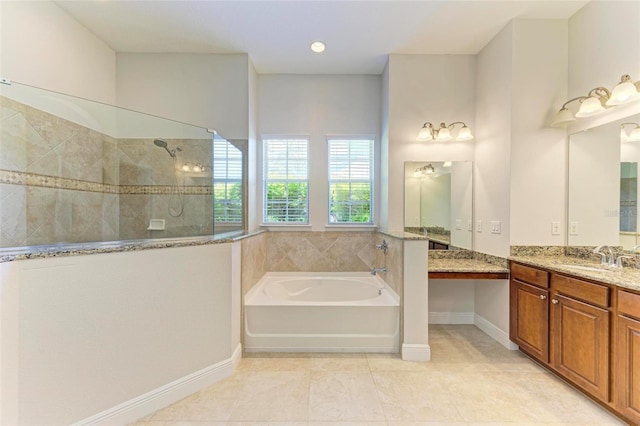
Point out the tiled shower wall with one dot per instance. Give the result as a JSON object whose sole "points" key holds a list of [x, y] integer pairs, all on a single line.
{"points": [[62, 182]]}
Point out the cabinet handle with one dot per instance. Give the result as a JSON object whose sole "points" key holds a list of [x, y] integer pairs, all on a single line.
{"points": [[542, 297], [554, 301]]}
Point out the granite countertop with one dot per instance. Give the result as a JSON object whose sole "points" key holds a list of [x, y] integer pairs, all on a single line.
{"points": [[465, 265], [440, 238], [626, 277], [77, 249]]}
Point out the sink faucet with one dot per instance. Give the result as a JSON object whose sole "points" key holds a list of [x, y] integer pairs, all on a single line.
{"points": [[605, 260], [376, 270], [635, 248]]}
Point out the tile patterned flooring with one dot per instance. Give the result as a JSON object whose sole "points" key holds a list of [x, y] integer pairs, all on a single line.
{"points": [[471, 380]]}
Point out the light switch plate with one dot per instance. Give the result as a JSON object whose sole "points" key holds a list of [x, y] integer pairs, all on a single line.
{"points": [[555, 228], [573, 228], [478, 226], [495, 227]]}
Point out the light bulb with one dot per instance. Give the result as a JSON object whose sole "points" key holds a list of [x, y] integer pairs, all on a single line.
{"points": [[424, 134], [624, 92], [318, 46], [185, 168], [590, 106], [464, 134], [197, 168], [634, 136], [443, 134], [563, 117]]}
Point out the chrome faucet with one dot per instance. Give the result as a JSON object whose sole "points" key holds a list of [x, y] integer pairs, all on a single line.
{"points": [[376, 270], [635, 248], [384, 246], [605, 260], [619, 260]]}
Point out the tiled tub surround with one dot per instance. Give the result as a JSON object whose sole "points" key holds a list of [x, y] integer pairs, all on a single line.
{"points": [[62, 182]]}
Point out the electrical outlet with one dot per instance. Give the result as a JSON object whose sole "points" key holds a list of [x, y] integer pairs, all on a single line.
{"points": [[555, 228], [495, 227], [470, 226], [478, 226], [458, 224], [573, 228]]}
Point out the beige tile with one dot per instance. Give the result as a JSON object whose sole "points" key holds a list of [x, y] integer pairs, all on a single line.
{"points": [[275, 363], [343, 396], [416, 396], [272, 396], [393, 362], [339, 362]]}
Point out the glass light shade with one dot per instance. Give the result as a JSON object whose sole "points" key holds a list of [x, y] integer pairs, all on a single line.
{"points": [[464, 134], [634, 136], [563, 117], [424, 134], [446, 164], [186, 168], [318, 46], [624, 92], [443, 134], [590, 106]]}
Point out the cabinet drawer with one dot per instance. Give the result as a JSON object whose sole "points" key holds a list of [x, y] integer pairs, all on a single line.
{"points": [[583, 290], [629, 304], [530, 275]]}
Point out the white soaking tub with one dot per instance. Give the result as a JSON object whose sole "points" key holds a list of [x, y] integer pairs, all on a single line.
{"points": [[321, 312]]}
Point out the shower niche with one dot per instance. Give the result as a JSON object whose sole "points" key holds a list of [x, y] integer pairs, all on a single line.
{"points": [[77, 171]]}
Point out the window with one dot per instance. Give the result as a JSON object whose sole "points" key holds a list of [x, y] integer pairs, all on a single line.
{"points": [[286, 181], [227, 182], [350, 180]]}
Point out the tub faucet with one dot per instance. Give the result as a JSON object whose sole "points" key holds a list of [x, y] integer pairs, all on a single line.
{"points": [[374, 271]]}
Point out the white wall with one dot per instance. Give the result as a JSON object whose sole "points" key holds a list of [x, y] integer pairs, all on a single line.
{"points": [[435, 200], [493, 143], [604, 43], [435, 88], [462, 204], [83, 334], [451, 301], [206, 90], [319, 106], [41, 45], [383, 210], [253, 204], [538, 152]]}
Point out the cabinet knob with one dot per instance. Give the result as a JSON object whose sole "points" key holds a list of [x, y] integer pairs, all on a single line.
{"points": [[542, 297], [554, 301]]}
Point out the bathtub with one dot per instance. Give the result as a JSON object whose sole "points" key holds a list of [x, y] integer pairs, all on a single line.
{"points": [[321, 312]]}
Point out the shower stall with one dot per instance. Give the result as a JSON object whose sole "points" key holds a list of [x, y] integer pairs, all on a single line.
{"points": [[77, 171]]}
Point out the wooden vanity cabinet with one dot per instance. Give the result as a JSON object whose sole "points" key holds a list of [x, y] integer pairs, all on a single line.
{"points": [[529, 310], [580, 333], [627, 350]]}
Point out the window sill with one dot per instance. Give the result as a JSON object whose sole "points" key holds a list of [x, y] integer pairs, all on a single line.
{"points": [[286, 227], [350, 227]]}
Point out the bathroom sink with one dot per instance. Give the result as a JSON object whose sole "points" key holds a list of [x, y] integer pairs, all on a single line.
{"points": [[586, 268]]}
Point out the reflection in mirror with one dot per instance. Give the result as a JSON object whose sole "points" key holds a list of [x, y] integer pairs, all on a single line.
{"points": [[603, 186], [438, 202]]}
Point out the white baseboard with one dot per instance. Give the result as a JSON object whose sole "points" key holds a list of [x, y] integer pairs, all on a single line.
{"points": [[416, 352], [156, 399], [496, 333], [451, 317]]}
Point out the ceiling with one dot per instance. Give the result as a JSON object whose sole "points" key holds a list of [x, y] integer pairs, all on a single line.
{"points": [[276, 34]]}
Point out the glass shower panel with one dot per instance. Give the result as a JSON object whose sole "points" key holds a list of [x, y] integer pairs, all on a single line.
{"points": [[78, 171]]}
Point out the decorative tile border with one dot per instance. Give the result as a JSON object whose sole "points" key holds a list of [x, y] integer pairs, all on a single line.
{"points": [[33, 179]]}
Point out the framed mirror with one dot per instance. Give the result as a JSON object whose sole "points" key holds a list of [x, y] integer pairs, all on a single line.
{"points": [[439, 202], [603, 185]]}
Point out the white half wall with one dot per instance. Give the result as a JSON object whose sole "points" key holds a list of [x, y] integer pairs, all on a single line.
{"points": [[83, 334], [42, 45]]}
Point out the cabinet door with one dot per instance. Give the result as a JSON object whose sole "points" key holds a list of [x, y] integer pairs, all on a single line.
{"points": [[628, 368], [580, 344], [529, 321]]}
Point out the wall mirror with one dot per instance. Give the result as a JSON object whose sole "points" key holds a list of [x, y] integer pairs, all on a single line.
{"points": [[603, 185], [438, 198]]}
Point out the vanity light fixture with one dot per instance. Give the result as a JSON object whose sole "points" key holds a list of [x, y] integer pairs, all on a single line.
{"points": [[193, 167], [633, 136], [597, 100], [425, 170], [443, 133]]}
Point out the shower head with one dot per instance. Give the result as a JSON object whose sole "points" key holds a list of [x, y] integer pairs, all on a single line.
{"points": [[163, 144]]}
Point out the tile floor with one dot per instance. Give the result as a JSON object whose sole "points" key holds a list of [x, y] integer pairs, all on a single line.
{"points": [[471, 380]]}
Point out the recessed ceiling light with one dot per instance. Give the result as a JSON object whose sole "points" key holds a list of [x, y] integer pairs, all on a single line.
{"points": [[317, 46]]}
